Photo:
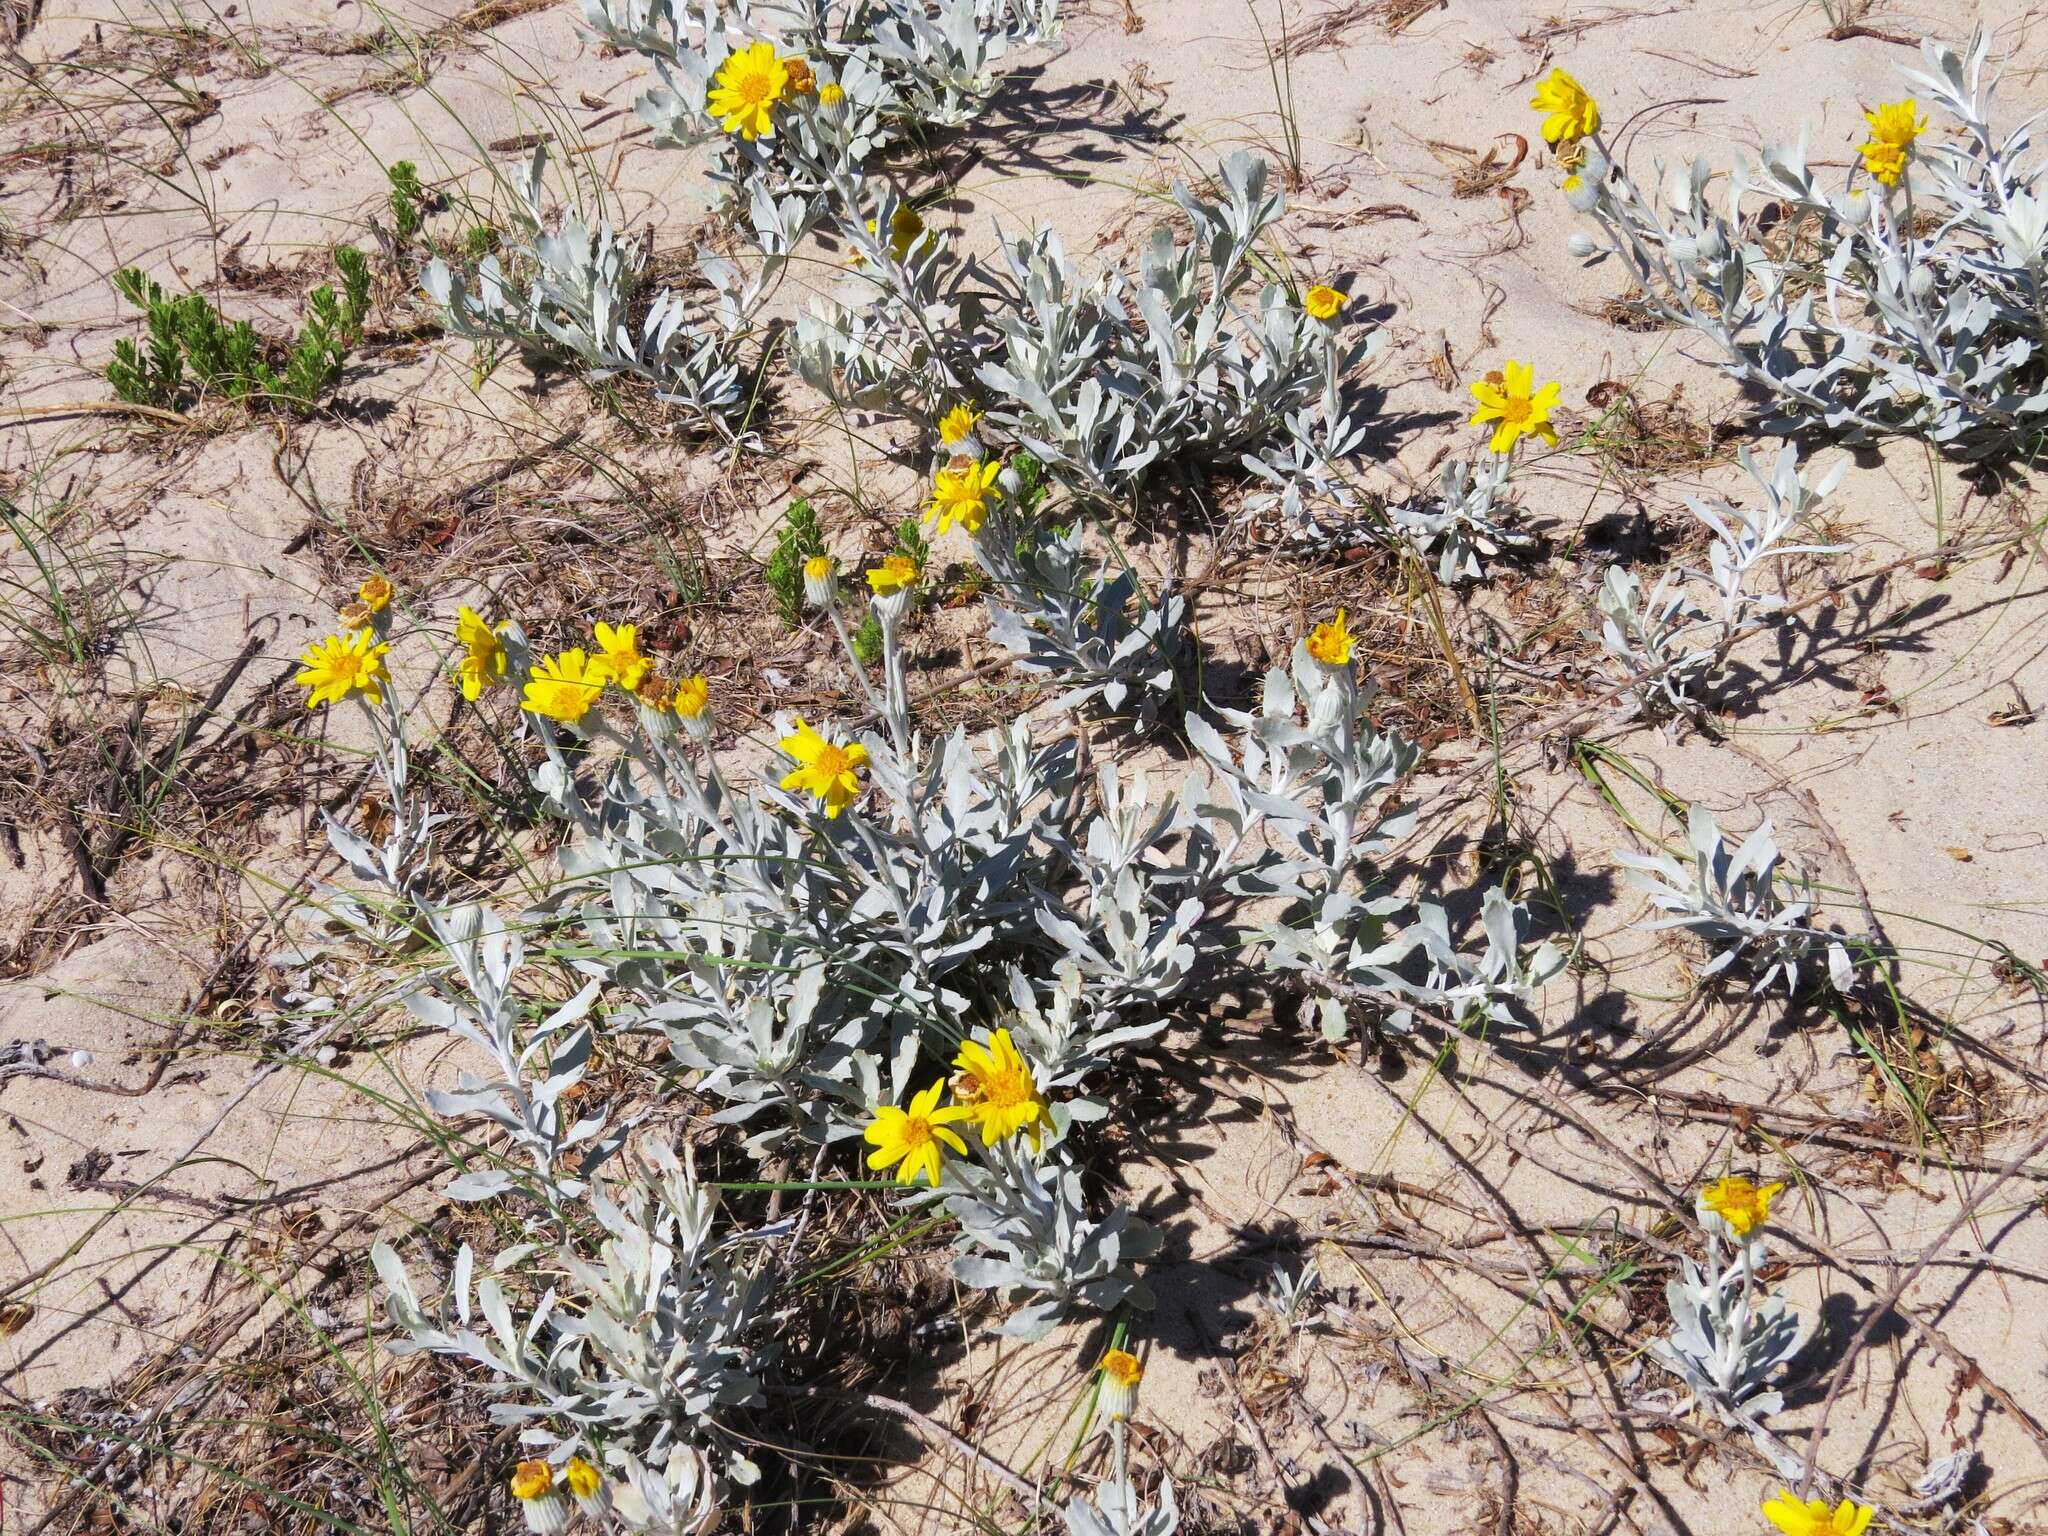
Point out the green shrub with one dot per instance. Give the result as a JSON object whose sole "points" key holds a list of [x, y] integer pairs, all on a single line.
{"points": [[189, 340], [411, 202], [797, 540]]}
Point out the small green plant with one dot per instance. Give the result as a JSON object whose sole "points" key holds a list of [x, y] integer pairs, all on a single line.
{"points": [[189, 340], [1032, 489], [797, 540], [482, 239], [867, 641], [911, 542], [333, 326], [411, 201]]}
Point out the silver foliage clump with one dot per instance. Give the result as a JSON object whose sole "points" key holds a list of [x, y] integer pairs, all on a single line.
{"points": [[1737, 904], [1311, 768], [647, 1345], [902, 64], [1117, 1510], [1067, 616], [1467, 524], [1870, 310], [1731, 1334], [1191, 359], [1672, 643], [573, 289], [1026, 1234]]}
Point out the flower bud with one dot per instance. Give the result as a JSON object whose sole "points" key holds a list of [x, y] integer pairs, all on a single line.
{"points": [[1683, 249], [821, 581], [1580, 244], [1713, 244], [1582, 192], [586, 1487], [1854, 210], [1920, 281], [541, 1500]]}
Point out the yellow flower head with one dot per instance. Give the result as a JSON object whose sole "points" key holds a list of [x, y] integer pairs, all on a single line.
{"points": [[1569, 112], [1893, 128], [1743, 1205], [1330, 642], [1510, 399], [824, 769], [1120, 1375], [341, 665], [692, 697], [1323, 302], [893, 575], [620, 660], [656, 692], [745, 90], [830, 94], [961, 495], [957, 425], [483, 654], [798, 72], [1000, 1092], [374, 594], [906, 228], [912, 1141], [1812, 1517], [582, 1477], [564, 687], [1120, 1365], [532, 1479]]}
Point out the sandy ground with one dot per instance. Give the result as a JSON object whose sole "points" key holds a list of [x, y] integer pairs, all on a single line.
{"points": [[182, 1122]]}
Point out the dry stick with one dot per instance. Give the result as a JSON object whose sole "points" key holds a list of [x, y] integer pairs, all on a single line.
{"points": [[1491, 1197], [1936, 1340], [1346, 1467], [174, 1397], [938, 1431], [1933, 1337], [1535, 730], [1862, 1335], [95, 408], [1789, 1124]]}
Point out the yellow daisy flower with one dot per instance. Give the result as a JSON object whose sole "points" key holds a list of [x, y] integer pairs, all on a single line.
{"points": [[893, 575], [547, 1510], [1330, 642], [906, 228], [1511, 399], [620, 658], [913, 1141], [1569, 111], [961, 495], [1893, 128], [564, 687], [957, 425], [342, 665], [531, 1479], [692, 697], [483, 654], [830, 94], [745, 90], [824, 769], [1812, 1517], [374, 594], [1000, 1092], [1323, 302], [1743, 1205]]}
